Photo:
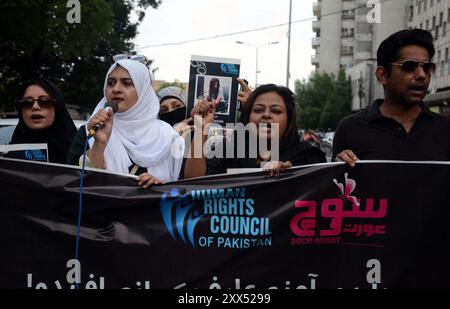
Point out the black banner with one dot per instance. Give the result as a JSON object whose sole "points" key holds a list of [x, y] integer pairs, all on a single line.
{"points": [[377, 225]]}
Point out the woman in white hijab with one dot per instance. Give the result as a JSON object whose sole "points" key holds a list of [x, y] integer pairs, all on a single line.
{"points": [[133, 136]]}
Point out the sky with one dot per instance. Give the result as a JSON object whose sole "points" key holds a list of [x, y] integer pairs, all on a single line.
{"points": [[180, 20]]}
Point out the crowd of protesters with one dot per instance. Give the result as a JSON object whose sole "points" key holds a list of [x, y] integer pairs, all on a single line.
{"points": [[150, 134]]}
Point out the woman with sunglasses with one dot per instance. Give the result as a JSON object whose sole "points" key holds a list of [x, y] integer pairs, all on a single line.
{"points": [[43, 118], [132, 140]]}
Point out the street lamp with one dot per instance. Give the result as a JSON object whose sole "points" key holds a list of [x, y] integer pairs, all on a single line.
{"points": [[153, 75], [256, 48]]}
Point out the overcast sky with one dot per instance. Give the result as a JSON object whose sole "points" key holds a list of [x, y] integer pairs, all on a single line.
{"points": [[180, 20]]}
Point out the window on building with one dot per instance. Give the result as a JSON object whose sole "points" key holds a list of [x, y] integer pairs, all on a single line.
{"points": [[424, 5], [448, 60], [444, 29], [431, 3], [348, 32], [441, 18], [439, 69], [433, 24], [427, 25]]}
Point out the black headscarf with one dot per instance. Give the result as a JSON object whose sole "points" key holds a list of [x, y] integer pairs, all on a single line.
{"points": [[58, 136]]}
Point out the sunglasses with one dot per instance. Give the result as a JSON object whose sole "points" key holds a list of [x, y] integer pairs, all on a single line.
{"points": [[27, 103], [410, 66], [140, 58]]}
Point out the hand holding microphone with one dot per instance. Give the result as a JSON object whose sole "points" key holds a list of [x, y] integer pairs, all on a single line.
{"points": [[102, 118]]}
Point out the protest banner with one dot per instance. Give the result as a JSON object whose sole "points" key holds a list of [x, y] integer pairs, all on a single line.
{"points": [[377, 225]]}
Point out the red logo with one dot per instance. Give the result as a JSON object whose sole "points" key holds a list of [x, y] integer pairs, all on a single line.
{"points": [[341, 219]]}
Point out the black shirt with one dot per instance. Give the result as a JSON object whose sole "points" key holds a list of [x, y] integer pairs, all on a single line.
{"points": [[372, 136]]}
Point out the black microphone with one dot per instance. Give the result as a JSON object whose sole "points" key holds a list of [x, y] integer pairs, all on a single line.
{"points": [[108, 106]]}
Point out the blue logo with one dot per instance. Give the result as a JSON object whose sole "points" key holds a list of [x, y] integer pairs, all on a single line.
{"points": [[29, 155], [35, 155], [230, 69], [177, 211]]}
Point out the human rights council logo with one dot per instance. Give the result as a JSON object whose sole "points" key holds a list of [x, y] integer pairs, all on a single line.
{"points": [[229, 219], [230, 69], [179, 215]]}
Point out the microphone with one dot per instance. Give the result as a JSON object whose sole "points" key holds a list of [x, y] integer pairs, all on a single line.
{"points": [[108, 106]]}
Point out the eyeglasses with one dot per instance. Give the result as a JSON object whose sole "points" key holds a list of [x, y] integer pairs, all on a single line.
{"points": [[410, 66], [140, 58], [27, 103]]}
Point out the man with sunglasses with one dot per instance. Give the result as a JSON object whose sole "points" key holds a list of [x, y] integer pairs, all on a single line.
{"points": [[400, 127]]}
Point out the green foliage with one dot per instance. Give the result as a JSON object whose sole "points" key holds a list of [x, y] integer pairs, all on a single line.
{"points": [[323, 100], [37, 41]]}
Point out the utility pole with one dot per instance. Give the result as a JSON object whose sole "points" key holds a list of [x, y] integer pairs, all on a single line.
{"points": [[256, 73], [288, 71]]}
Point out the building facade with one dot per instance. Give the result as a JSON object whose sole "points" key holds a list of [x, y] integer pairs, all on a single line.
{"points": [[434, 16]]}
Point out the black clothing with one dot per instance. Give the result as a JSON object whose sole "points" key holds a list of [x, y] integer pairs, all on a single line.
{"points": [[58, 136], [372, 136], [294, 150], [77, 146], [174, 117]]}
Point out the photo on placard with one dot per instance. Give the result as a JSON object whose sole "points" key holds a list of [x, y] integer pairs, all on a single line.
{"points": [[211, 78], [211, 87]]}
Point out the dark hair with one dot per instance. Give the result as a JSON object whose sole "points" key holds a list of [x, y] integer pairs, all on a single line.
{"points": [[388, 51], [45, 84], [59, 135], [288, 99], [213, 92]]}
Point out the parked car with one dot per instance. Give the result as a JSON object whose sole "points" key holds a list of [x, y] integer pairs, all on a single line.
{"points": [[8, 125]]}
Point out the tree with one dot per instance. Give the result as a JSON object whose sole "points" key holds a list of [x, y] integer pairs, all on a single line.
{"points": [[323, 100], [36, 40]]}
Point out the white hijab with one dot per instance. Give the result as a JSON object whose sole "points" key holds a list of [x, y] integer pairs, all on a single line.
{"points": [[138, 135]]}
